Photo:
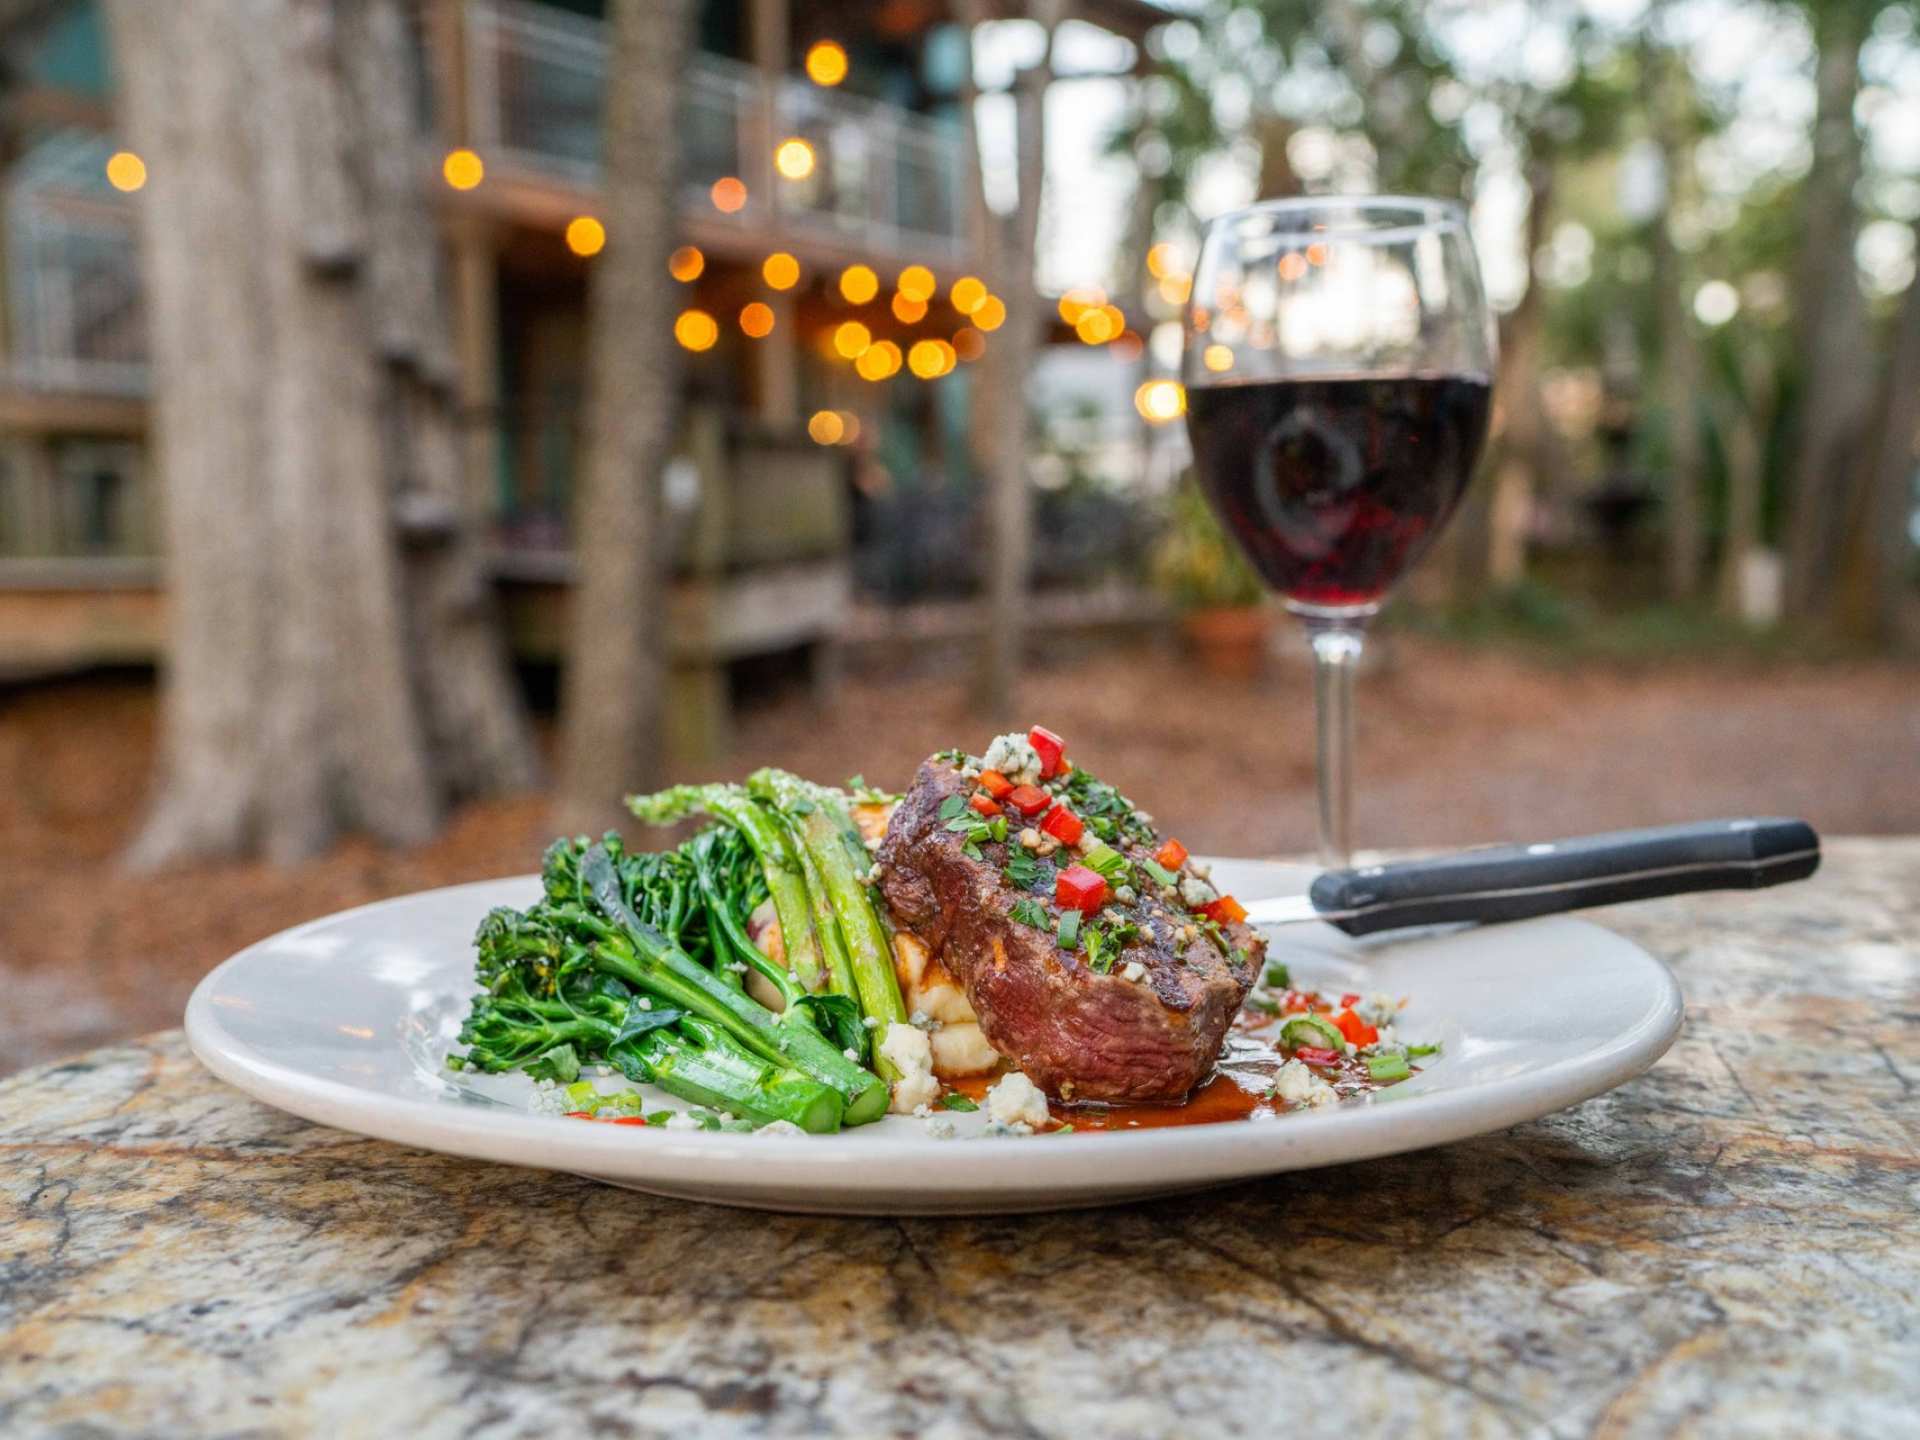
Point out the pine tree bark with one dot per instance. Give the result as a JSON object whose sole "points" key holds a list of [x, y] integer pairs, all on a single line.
{"points": [[305, 691], [614, 702], [1832, 322]]}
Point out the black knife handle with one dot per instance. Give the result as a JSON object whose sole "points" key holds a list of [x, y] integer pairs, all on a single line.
{"points": [[1513, 882]]}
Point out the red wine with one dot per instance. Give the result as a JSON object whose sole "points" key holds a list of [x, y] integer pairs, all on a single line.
{"points": [[1333, 487]]}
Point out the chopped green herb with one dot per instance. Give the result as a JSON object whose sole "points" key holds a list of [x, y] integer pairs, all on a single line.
{"points": [[1028, 912], [1022, 869], [1105, 861], [954, 1100], [952, 806], [1263, 1005], [1063, 1130], [997, 827], [1278, 977], [1418, 1050], [972, 850], [659, 1117], [1069, 931], [1388, 1067], [1161, 875]]}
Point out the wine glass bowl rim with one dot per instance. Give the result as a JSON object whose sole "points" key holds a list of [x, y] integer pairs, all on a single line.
{"points": [[1374, 218]]}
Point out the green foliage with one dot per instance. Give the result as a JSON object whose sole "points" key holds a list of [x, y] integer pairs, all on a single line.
{"points": [[1197, 566]]}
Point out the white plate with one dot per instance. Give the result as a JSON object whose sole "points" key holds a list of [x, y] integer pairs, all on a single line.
{"points": [[346, 1020]]}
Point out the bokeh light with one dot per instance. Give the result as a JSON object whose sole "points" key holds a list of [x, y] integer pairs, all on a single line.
{"points": [[686, 263], [859, 284], [969, 344], [1217, 358], [127, 172], [849, 427], [880, 361], [586, 235], [793, 158], [930, 359], [780, 270], [852, 339], [826, 63], [969, 293], [1077, 301], [825, 427], [1159, 401], [916, 282], [696, 330], [907, 310], [1098, 325], [1160, 261], [991, 315], [1292, 266], [757, 319], [462, 169], [729, 194]]}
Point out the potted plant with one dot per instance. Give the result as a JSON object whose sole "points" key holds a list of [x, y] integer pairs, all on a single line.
{"points": [[1222, 608]]}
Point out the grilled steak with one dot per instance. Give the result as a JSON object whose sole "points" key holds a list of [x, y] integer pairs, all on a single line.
{"points": [[1136, 1008]]}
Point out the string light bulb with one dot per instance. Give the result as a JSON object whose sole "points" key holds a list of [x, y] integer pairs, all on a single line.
{"points": [[826, 63]]}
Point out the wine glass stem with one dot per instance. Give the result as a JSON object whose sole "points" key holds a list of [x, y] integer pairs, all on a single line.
{"points": [[1336, 654]]}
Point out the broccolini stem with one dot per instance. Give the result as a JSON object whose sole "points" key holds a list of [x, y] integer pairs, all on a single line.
{"points": [[645, 959], [703, 1065]]}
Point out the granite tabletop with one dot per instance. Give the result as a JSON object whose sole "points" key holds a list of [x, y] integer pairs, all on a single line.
{"points": [[1729, 1245]]}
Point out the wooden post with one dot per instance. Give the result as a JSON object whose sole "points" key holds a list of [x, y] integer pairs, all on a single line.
{"points": [[476, 327]]}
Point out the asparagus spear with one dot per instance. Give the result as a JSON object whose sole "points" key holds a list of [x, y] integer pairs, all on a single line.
{"points": [[786, 881], [832, 841]]}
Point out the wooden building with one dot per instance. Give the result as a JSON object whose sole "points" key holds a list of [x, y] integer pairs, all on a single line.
{"points": [[759, 493]]}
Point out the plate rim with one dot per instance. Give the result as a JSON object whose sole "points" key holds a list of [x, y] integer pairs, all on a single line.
{"points": [[1190, 1155]]}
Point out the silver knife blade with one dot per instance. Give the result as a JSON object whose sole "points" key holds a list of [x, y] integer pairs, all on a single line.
{"points": [[1290, 910]]}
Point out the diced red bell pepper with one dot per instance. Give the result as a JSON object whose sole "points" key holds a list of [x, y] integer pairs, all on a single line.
{"points": [[1225, 911], [1350, 999], [1049, 747], [1314, 1055], [985, 804], [995, 784], [1078, 888], [629, 1120], [1295, 1002], [579, 1115], [1357, 1031], [1064, 825], [1029, 800], [1171, 855]]}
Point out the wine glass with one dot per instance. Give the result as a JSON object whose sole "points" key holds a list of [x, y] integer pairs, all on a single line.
{"points": [[1339, 372]]}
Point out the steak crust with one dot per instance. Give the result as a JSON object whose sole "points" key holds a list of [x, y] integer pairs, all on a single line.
{"points": [[1077, 1033]]}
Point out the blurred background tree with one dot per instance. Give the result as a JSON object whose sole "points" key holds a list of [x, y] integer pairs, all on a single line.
{"points": [[332, 655]]}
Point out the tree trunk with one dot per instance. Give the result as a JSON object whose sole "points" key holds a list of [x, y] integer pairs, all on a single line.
{"points": [[330, 660], [614, 705], [1680, 370], [1489, 548], [1888, 539], [1002, 436], [1743, 421], [1833, 337]]}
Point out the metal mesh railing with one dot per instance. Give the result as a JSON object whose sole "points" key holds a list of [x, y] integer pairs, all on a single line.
{"points": [[882, 174], [74, 318]]}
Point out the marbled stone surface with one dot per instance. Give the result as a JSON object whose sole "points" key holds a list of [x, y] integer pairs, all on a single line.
{"points": [[1729, 1245]]}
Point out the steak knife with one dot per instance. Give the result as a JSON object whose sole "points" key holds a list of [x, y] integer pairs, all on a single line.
{"points": [[1515, 882]]}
